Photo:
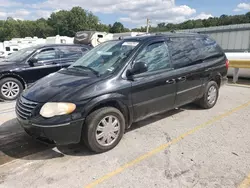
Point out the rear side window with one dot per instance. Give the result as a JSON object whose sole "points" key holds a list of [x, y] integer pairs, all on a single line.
{"points": [[190, 51], [155, 56], [182, 50], [71, 52]]}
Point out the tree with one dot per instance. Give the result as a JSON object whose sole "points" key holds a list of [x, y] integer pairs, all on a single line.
{"points": [[248, 16], [59, 22], [67, 23], [117, 28], [42, 29], [198, 23]]}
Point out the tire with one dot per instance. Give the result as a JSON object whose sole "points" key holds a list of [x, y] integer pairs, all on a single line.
{"points": [[15, 93], [91, 129], [204, 101]]}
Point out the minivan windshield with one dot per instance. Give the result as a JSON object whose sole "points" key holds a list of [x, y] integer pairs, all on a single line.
{"points": [[20, 55], [105, 58]]}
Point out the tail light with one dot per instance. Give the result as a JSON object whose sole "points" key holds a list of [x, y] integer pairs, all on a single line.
{"points": [[227, 63]]}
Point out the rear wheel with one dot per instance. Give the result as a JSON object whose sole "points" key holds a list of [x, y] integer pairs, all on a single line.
{"points": [[10, 88], [103, 129], [211, 95]]}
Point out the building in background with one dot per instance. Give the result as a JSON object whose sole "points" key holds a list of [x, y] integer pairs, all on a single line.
{"points": [[235, 41]]}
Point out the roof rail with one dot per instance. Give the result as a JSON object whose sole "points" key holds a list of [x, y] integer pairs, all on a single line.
{"points": [[143, 34]]}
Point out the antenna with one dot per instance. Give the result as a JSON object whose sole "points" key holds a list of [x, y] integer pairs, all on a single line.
{"points": [[148, 22]]}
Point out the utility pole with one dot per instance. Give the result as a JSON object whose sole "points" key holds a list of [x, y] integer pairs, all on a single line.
{"points": [[148, 22]]}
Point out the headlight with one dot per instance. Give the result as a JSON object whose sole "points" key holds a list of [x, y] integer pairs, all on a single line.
{"points": [[52, 109]]}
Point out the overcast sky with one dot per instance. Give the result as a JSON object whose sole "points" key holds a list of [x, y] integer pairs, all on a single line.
{"points": [[131, 13]]}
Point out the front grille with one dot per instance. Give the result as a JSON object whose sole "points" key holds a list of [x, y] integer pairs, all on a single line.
{"points": [[25, 108]]}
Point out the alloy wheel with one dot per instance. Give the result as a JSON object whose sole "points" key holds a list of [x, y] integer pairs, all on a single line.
{"points": [[10, 90]]}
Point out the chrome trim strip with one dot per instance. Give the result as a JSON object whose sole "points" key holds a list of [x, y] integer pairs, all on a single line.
{"points": [[59, 125], [189, 89]]}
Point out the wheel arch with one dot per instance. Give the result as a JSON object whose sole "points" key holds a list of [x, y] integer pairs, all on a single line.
{"points": [[117, 101], [217, 77], [16, 76]]}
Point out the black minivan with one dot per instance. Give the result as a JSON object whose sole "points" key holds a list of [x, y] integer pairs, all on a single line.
{"points": [[120, 82], [30, 64]]}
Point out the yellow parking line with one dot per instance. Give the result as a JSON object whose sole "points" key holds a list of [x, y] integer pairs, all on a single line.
{"points": [[245, 183], [239, 85], [164, 146]]}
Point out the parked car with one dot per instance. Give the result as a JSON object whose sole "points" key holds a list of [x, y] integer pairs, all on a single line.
{"points": [[120, 82], [4, 54], [30, 64]]}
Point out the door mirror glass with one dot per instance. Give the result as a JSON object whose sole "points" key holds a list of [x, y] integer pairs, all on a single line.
{"points": [[138, 68], [32, 61]]}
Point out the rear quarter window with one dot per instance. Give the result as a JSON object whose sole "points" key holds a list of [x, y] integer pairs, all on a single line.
{"points": [[208, 47], [192, 50]]}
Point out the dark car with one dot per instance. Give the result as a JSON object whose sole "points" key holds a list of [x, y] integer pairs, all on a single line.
{"points": [[30, 64], [120, 82]]}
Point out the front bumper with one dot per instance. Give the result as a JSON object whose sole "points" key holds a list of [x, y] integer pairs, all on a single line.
{"points": [[62, 134]]}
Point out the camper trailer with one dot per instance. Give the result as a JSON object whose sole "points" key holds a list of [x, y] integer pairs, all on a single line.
{"points": [[94, 38]]}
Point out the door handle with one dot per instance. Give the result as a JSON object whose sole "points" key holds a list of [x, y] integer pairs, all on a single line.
{"points": [[172, 81], [182, 79]]}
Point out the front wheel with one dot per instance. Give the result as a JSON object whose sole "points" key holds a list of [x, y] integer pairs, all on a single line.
{"points": [[10, 88], [211, 95], [103, 129]]}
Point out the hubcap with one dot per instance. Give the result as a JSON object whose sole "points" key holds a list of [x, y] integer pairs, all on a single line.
{"points": [[10, 90], [212, 95], [108, 131]]}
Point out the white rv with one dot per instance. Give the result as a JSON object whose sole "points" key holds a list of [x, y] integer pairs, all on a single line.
{"points": [[59, 40], [15, 44], [94, 38]]}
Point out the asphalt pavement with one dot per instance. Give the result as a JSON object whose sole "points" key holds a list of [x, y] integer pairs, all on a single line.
{"points": [[186, 147]]}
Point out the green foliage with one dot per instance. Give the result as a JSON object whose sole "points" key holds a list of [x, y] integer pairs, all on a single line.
{"points": [[64, 23], [210, 22], [67, 23], [118, 28]]}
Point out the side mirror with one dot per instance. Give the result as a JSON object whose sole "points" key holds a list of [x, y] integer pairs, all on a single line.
{"points": [[138, 68], [32, 61]]}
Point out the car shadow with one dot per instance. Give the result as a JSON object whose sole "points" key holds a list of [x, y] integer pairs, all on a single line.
{"points": [[154, 119], [191, 106], [16, 144]]}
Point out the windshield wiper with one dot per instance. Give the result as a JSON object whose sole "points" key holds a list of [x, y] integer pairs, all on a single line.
{"points": [[87, 68]]}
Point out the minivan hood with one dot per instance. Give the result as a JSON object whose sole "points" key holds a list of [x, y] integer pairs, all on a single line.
{"points": [[59, 87]]}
